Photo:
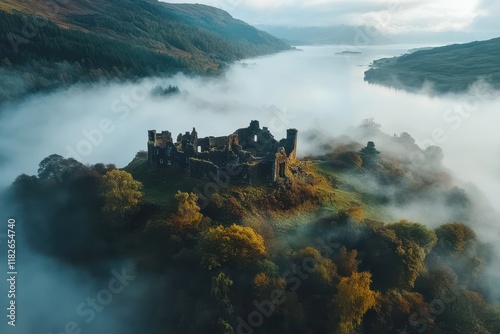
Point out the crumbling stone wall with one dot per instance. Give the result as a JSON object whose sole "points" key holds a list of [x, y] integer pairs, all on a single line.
{"points": [[280, 164], [203, 168], [252, 151]]}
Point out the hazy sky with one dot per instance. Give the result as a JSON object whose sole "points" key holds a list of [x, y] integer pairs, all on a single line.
{"points": [[394, 16]]}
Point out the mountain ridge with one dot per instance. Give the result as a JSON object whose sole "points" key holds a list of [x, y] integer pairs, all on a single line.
{"points": [[114, 39]]}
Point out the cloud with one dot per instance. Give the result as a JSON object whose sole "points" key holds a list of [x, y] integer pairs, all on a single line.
{"points": [[393, 16], [487, 18]]}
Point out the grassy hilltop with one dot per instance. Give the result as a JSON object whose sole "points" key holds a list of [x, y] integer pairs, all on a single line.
{"points": [[319, 249]]}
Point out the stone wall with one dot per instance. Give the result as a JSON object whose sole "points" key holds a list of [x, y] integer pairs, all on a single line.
{"points": [[252, 151]]}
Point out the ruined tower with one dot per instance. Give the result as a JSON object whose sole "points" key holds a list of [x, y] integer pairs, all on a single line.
{"points": [[151, 145], [291, 143], [194, 137]]}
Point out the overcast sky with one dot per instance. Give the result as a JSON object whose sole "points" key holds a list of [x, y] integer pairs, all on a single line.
{"points": [[390, 16]]}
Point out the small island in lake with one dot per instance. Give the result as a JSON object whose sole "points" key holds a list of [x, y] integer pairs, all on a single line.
{"points": [[348, 53]]}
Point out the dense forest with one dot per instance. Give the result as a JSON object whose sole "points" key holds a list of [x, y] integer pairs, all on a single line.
{"points": [[51, 45], [315, 253], [448, 69]]}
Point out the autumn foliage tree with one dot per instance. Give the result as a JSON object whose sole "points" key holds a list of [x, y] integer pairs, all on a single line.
{"points": [[324, 272], [393, 260], [412, 258], [188, 216], [414, 242], [347, 264], [264, 285], [353, 299], [395, 308], [233, 245], [121, 193]]}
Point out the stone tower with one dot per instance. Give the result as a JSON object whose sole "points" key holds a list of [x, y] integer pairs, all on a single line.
{"points": [[291, 143], [151, 145]]}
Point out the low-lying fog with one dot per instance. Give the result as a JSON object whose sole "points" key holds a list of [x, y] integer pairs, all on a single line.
{"points": [[321, 94], [313, 90]]}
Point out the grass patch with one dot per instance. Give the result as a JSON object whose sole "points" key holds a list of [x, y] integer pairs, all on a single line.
{"points": [[346, 190], [160, 185], [314, 189]]}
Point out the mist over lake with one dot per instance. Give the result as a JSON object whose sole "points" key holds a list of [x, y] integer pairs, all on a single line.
{"points": [[317, 167], [315, 90]]}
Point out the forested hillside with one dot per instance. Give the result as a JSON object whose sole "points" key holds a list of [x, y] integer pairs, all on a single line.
{"points": [[52, 44], [452, 68], [317, 252]]}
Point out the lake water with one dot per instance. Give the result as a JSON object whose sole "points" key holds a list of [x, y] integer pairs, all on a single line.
{"points": [[314, 90]]}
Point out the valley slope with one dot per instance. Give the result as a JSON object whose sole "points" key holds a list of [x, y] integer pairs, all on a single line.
{"points": [[50, 44]]}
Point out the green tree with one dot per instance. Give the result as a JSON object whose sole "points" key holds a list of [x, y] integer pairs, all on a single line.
{"points": [[415, 232], [121, 193], [394, 262], [369, 154], [26, 186], [470, 313], [412, 258], [233, 245], [454, 237], [413, 243], [56, 167], [221, 291], [224, 327]]}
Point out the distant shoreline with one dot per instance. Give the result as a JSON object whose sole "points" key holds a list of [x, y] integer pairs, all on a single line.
{"points": [[448, 69]]}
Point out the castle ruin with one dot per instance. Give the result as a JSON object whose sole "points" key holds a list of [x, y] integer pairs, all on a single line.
{"points": [[248, 155]]}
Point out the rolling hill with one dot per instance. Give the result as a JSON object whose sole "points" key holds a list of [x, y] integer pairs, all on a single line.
{"points": [[46, 45], [452, 68], [206, 254]]}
